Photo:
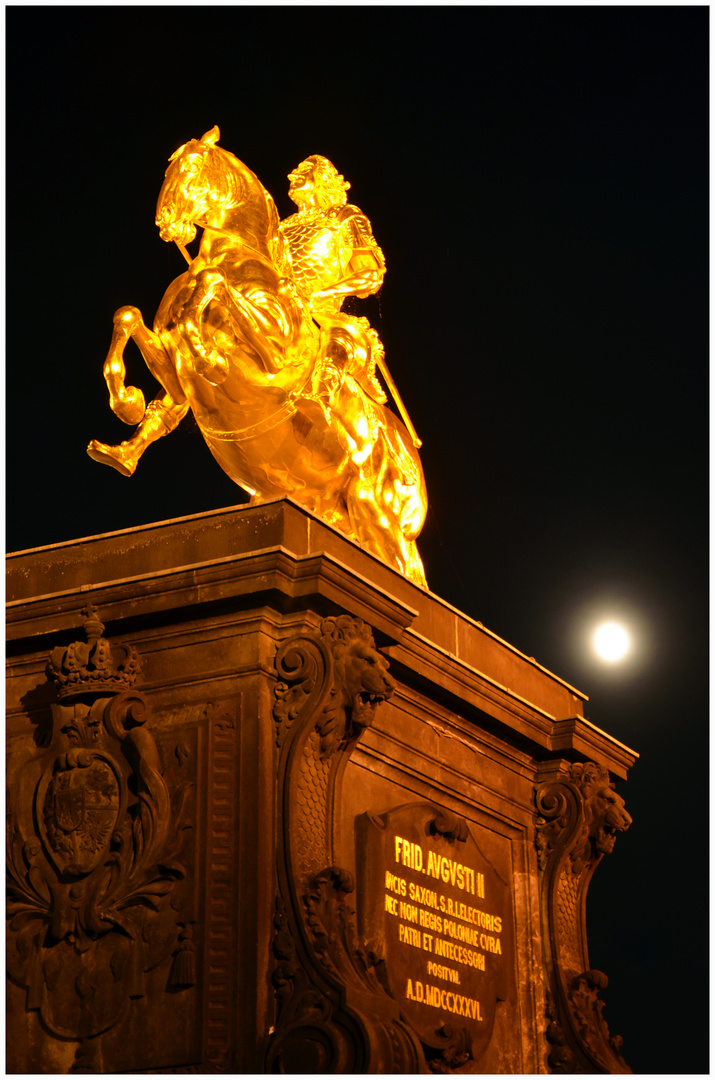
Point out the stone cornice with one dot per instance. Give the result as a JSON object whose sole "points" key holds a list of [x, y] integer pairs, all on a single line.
{"points": [[431, 642]]}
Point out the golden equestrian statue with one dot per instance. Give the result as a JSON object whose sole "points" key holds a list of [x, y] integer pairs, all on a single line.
{"points": [[252, 339]]}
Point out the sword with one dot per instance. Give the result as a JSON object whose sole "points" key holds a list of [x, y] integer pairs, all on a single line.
{"points": [[400, 404]]}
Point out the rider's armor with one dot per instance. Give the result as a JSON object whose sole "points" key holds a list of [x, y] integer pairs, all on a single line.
{"points": [[326, 247], [329, 247]]}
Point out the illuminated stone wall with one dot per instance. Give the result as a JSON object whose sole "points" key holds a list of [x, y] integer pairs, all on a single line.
{"points": [[275, 808]]}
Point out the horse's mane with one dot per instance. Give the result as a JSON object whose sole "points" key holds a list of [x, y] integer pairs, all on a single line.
{"points": [[226, 175]]}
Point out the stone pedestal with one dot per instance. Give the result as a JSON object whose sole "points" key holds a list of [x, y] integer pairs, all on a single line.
{"points": [[272, 807]]}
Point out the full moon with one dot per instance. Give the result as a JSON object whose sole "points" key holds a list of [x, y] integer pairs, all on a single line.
{"points": [[611, 642]]}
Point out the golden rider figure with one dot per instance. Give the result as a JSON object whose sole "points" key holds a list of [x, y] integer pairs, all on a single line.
{"points": [[252, 339], [334, 255]]}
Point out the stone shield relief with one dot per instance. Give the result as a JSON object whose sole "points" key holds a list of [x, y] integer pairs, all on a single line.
{"points": [[96, 825]]}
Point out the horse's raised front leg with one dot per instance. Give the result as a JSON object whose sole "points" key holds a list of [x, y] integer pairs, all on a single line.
{"points": [[384, 512], [127, 402], [161, 416]]}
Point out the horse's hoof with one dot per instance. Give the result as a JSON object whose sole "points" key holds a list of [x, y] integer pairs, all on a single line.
{"points": [[111, 455], [131, 407]]}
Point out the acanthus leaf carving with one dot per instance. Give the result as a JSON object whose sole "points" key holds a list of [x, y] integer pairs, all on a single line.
{"points": [[584, 994], [332, 927]]}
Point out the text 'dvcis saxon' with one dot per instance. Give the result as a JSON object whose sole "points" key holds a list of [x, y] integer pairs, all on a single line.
{"points": [[429, 898]]}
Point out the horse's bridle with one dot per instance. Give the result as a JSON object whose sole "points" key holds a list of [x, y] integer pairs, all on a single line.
{"points": [[234, 239], [204, 225]]}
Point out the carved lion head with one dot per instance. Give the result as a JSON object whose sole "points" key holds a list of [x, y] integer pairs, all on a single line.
{"points": [[361, 672], [606, 814], [608, 818]]}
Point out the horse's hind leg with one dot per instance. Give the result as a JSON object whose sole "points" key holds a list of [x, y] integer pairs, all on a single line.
{"points": [[383, 519], [378, 529], [415, 567], [374, 522]]}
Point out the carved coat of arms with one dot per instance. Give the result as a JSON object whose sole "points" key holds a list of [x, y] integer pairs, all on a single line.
{"points": [[78, 806]]}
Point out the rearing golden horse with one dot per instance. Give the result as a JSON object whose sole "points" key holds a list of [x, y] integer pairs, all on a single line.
{"points": [[281, 382]]}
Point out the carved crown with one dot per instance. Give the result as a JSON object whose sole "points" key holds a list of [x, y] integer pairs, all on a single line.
{"points": [[94, 666]]}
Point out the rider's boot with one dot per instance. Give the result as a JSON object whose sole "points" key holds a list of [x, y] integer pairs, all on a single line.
{"points": [[120, 457], [159, 419]]}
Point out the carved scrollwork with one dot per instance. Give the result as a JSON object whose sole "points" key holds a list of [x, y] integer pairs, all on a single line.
{"points": [[580, 817], [456, 1051], [339, 678], [588, 1010], [450, 826], [330, 685], [556, 808], [304, 667], [94, 856]]}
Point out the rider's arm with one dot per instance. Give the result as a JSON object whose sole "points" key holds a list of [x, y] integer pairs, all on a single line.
{"points": [[364, 268]]}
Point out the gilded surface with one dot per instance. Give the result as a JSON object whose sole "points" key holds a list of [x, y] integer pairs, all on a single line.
{"points": [[252, 338]]}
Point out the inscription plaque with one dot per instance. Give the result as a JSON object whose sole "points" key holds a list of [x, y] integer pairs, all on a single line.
{"points": [[432, 905]]}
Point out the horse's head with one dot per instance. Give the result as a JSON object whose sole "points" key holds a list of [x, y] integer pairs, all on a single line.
{"points": [[203, 184]]}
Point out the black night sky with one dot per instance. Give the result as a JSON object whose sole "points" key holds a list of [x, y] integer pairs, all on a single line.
{"points": [[538, 181]]}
